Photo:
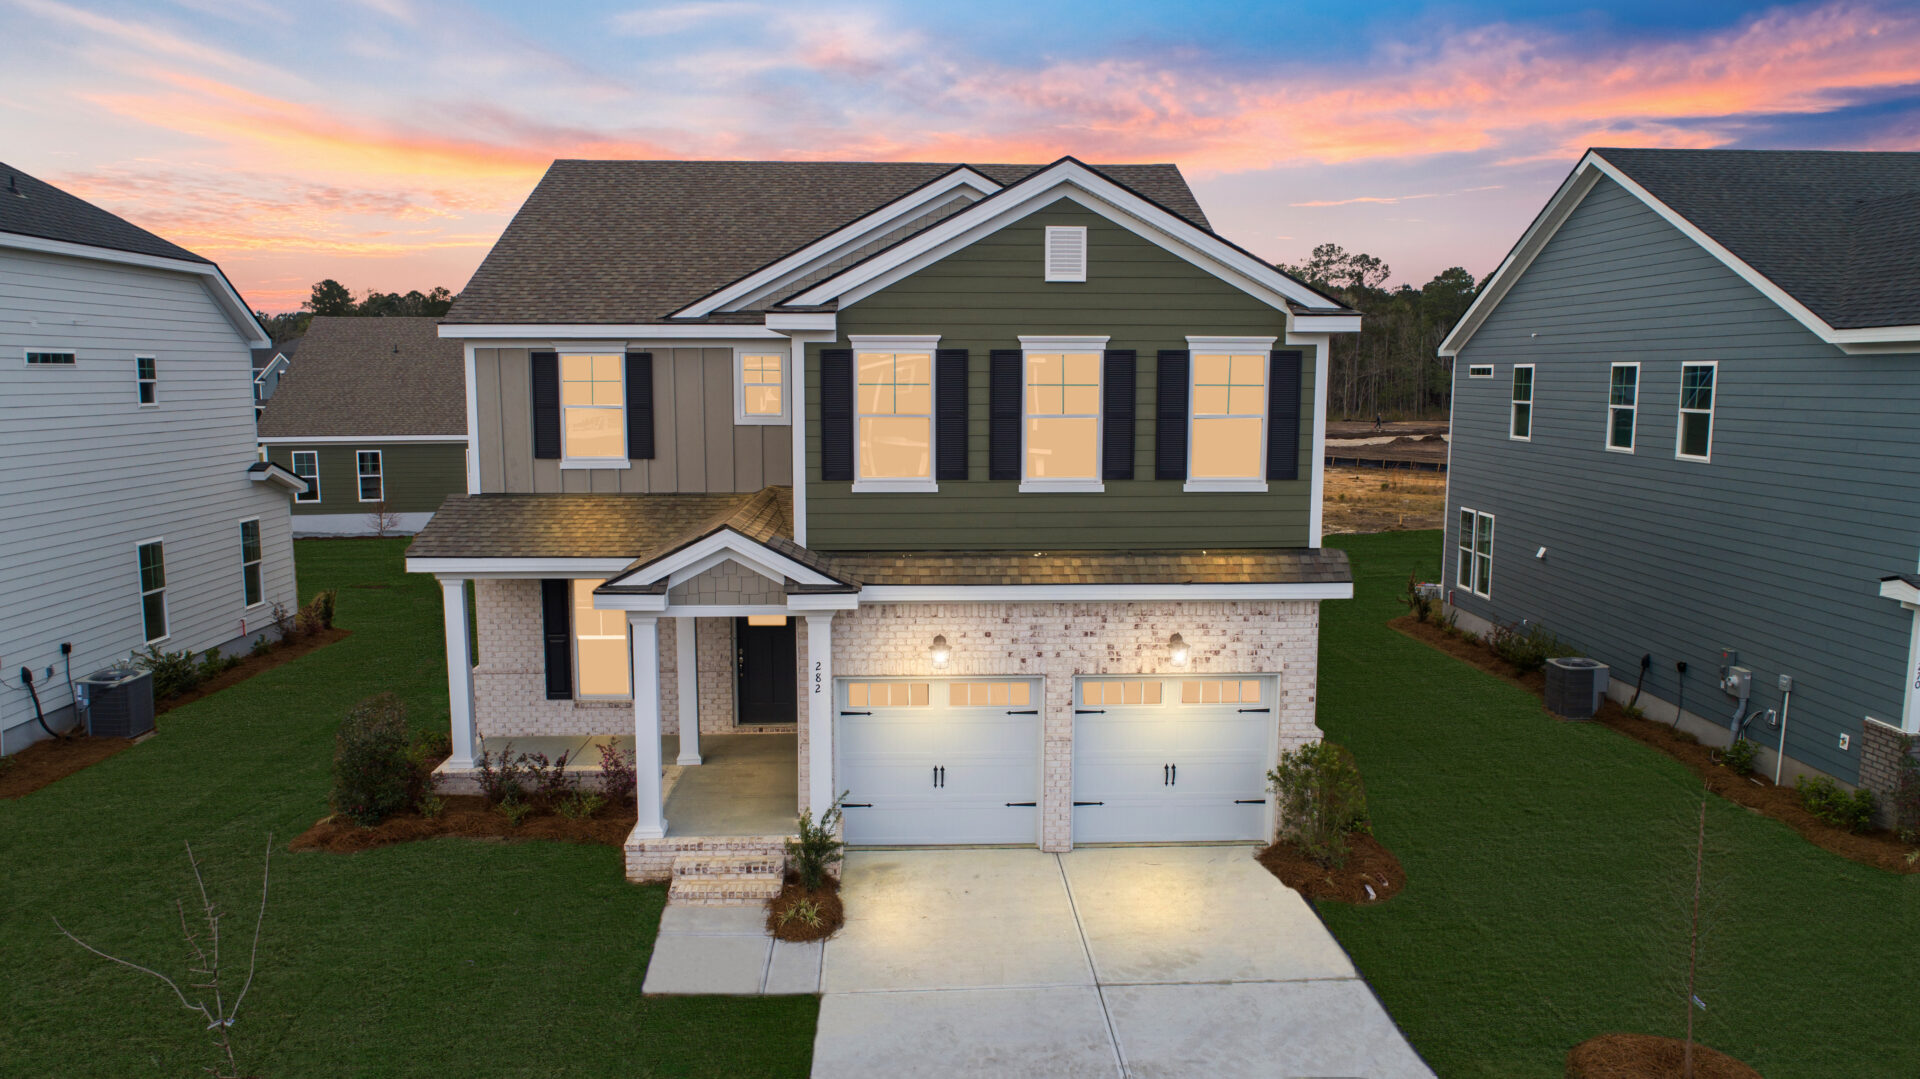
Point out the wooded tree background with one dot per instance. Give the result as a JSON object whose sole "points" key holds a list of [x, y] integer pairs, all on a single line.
{"points": [[330, 297], [1392, 367]]}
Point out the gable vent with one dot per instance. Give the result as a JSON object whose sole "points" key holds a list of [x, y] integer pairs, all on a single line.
{"points": [[1066, 253]]}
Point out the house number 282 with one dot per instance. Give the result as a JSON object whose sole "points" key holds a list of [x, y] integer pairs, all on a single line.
{"points": [[816, 676]]}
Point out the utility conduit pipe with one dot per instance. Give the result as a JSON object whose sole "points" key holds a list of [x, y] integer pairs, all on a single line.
{"points": [[1780, 754]]}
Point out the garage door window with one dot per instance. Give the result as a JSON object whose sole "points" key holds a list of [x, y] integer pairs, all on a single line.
{"points": [[889, 694], [1221, 692], [1132, 691], [989, 694]]}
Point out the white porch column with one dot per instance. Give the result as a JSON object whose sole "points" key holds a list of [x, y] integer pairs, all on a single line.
{"points": [[643, 635], [687, 673], [453, 597], [820, 696]]}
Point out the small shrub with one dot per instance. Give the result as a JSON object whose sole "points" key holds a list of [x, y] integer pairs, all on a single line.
{"points": [[618, 775], [174, 673], [548, 781], [374, 776], [1321, 800], [805, 911], [1739, 757], [431, 806], [260, 648], [1635, 711], [1422, 605], [1823, 798], [429, 745], [812, 854], [1526, 646], [515, 811], [283, 627], [581, 805], [1906, 794], [502, 778], [317, 615]]}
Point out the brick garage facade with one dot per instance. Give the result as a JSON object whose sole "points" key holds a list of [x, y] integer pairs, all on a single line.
{"points": [[1059, 641]]}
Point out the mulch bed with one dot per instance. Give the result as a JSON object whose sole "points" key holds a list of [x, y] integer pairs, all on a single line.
{"points": [[832, 914], [468, 816], [251, 665], [1880, 849], [1644, 1056], [1369, 865], [52, 759]]}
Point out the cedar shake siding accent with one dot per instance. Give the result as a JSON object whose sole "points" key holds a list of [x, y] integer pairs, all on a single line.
{"points": [[418, 476], [696, 445], [983, 298], [1774, 548]]}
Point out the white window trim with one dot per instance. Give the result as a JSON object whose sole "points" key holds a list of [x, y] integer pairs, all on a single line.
{"points": [[1095, 484], [1681, 410], [166, 610], [261, 562], [1469, 542], [1633, 432], [1482, 583], [1533, 394], [1046, 253], [139, 382], [313, 481], [567, 458], [1230, 345], [1479, 370], [359, 477], [929, 344], [741, 416], [30, 349]]}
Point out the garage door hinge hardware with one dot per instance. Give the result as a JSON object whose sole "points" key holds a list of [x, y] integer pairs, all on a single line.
{"points": [[1026, 712], [1089, 711], [856, 805], [1249, 801], [1023, 803], [856, 713], [1089, 803], [1253, 709]]}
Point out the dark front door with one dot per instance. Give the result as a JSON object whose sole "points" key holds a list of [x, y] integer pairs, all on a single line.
{"points": [[765, 676]]}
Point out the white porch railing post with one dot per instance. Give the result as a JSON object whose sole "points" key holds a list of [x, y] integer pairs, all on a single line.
{"points": [[820, 697], [643, 634], [687, 673], [453, 598]]}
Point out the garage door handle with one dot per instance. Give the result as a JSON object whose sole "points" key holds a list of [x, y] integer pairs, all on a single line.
{"points": [[1254, 709], [1089, 711], [1249, 801], [856, 713], [1089, 803], [1027, 712], [856, 805], [1023, 803], [1176, 774], [1165, 774]]}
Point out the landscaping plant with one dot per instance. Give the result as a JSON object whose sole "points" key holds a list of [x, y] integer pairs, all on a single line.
{"points": [[375, 773], [618, 775], [1422, 605], [174, 673], [1739, 757], [1527, 646], [1906, 794], [549, 780], [813, 852], [805, 911], [515, 811], [1321, 800], [581, 805], [1823, 798], [502, 777]]}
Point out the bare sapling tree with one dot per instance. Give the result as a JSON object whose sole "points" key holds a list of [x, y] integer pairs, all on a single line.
{"points": [[1693, 938], [383, 521], [205, 980]]}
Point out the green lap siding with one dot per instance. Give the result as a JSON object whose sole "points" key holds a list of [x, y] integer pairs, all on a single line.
{"points": [[984, 297], [417, 475]]}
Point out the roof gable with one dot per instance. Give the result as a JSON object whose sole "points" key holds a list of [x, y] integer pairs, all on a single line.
{"points": [[32, 207], [370, 377]]}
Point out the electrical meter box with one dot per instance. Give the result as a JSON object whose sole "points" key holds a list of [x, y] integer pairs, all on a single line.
{"points": [[1738, 682]]}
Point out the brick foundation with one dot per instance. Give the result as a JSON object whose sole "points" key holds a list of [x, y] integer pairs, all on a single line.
{"points": [[1880, 749]]}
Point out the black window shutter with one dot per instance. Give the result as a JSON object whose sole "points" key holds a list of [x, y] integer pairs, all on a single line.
{"points": [[555, 612], [1283, 416], [1170, 416], [950, 413], [1116, 415], [1003, 414], [836, 414], [546, 405], [640, 406]]}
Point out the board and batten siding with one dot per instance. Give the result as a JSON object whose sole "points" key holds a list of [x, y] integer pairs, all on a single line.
{"points": [[984, 297], [1774, 548], [86, 473], [697, 446], [418, 475]]}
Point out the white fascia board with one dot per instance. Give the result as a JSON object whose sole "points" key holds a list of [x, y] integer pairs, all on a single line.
{"points": [[836, 243], [732, 545], [1545, 224], [649, 601], [803, 322], [652, 333], [276, 474], [1901, 592], [209, 274], [823, 601], [1102, 196], [1098, 593], [287, 440], [589, 568], [470, 365], [1305, 323]]}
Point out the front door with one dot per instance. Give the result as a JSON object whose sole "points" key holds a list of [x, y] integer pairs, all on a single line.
{"points": [[765, 675]]}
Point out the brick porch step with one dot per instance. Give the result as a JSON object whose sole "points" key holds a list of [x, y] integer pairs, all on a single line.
{"points": [[726, 878], [705, 866], [733, 892]]}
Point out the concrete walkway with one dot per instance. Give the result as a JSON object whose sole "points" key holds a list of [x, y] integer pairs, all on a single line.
{"points": [[726, 951], [1117, 961]]}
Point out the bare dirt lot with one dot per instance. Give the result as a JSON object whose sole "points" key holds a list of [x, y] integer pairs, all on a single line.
{"points": [[1383, 500], [1364, 428]]}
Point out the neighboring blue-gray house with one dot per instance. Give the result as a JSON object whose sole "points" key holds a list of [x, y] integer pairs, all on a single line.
{"points": [[1686, 420], [269, 364]]}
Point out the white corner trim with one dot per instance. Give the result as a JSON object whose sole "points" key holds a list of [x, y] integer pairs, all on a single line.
{"points": [[912, 342], [1068, 343], [1320, 344], [807, 321], [471, 366], [1084, 593], [1197, 343], [216, 282]]}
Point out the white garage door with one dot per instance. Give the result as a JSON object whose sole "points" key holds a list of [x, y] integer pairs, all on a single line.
{"points": [[939, 761], [1171, 759]]}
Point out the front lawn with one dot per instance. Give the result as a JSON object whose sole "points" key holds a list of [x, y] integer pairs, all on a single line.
{"points": [[1548, 869], [447, 958]]}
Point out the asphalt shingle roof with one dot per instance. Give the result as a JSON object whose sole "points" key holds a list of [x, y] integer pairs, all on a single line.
{"points": [[635, 241], [566, 525], [1838, 230], [371, 377], [32, 207]]}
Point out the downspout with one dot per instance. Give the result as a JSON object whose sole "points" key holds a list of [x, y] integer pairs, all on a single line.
{"points": [[1780, 754]]}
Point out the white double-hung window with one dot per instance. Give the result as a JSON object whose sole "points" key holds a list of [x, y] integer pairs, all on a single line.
{"points": [[593, 410], [373, 482], [893, 412], [306, 465], [1520, 420], [1623, 403], [1060, 403], [1227, 443], [1695, 441], [602, 663], [1473, 570]]}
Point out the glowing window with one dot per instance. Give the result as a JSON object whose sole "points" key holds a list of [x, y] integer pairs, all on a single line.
{"points": [[762, 384], [889, 694], [1126, 691], [1229, 416], [894, 404], [1223, 691], [989, 694], [599, 647], [1063, 415], [593, 404]]}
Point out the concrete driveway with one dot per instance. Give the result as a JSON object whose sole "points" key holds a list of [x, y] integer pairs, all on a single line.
{"points": [[1113, 961]]}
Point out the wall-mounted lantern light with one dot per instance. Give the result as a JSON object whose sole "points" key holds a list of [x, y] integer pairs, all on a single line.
{"points": [[1177, 646], [940, 651]]}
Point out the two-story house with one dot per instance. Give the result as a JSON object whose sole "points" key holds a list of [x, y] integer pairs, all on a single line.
{"points": [[985, 496], [1685, 414], [133, 512]]}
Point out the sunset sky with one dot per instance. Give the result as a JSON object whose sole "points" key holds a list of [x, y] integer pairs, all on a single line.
{"points": [[386, 142]]}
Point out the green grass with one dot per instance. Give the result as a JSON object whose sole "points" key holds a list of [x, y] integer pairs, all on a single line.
{"points": [[1548, 872], [451, 957]]}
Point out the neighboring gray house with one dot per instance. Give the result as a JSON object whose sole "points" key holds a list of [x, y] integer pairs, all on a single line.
{"points": [[375, 420], [269, 365], [1685, 417], [132, 509]]}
